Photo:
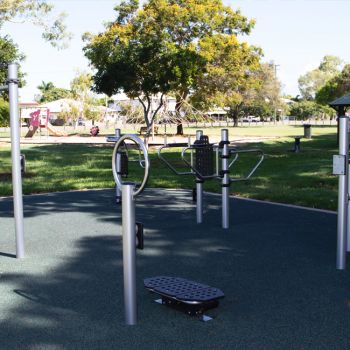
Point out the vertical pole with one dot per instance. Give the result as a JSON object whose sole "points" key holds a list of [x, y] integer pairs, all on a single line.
{"points": [[129, 253], [118, 193], [16, 158], [199, 189], [343, 199], [225, 184]]}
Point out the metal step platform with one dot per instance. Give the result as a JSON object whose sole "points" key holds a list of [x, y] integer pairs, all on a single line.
{"points": [[184, 295]]}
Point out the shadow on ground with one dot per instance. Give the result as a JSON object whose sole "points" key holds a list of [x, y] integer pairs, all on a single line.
{"points": [[275, 264]]}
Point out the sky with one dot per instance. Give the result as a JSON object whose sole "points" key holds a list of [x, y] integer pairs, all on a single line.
{"points": [[294, 34]]}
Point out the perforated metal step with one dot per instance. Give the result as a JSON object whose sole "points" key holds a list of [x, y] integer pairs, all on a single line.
{"points": [[183, 290]]}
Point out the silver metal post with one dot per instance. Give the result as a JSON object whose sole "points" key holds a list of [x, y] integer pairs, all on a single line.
{"points": [[16, 158], [225, 184], [343, 197], [199, 189], [118, 192], [129, 253]]}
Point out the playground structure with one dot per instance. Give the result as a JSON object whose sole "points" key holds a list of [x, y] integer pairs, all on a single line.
{"points": [[39, 119]]}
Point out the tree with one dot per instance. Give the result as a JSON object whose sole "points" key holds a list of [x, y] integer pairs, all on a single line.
{"points": [[309, 109], [38, 12], [314, 80], [81, 87], [336, 87], [9, 53], [164, 47], [49, 92], [4, 113]]}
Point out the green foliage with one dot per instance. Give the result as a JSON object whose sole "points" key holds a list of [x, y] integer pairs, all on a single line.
{"points": [[49, 92], [4, 113], [38, 12], [336, 87], [313, 81], [9, 53], [309, 109], [167, 46]]}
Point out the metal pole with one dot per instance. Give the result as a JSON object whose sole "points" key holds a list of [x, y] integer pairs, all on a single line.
{"points": [[199, 189], [118, 193], [16, 158], [129, 253], [225, 184], [343, 198]]}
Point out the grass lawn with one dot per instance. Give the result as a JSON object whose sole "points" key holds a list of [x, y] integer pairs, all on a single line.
{"points": [[297, 178]]}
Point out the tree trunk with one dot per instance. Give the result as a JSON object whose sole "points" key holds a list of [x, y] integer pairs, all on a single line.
{"points": [[179, 127]]}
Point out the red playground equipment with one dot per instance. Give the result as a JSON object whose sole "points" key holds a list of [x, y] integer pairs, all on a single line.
{"points": [[40, 119]]}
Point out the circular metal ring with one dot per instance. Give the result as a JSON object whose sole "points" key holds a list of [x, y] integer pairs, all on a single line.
{"points": [[142, 147]]}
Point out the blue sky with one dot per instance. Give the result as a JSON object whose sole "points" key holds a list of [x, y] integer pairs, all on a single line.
{"points": [[295, 34]]}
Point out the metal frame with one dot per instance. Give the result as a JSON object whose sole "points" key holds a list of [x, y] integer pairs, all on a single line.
{"points": [[12, 87], [129, 192], [223, 151], [145, 163], [343, 239]]}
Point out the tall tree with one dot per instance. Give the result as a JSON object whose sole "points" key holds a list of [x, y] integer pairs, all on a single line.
{"points": [[38, 12], [81, 87], [314, 80], [336, 87], [49, 92], [165, 46]]}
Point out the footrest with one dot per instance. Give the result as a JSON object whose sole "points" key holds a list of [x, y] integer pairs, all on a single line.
{"points": [[185, 295]]}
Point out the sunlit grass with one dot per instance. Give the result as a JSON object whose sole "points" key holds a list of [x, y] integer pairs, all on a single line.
{"points": [[303, 178]]}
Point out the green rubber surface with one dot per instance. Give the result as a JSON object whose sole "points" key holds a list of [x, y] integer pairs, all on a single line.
{"points": [[276, 266]]}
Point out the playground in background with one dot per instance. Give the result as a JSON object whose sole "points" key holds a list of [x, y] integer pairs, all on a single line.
{"points": [[39, 118]]}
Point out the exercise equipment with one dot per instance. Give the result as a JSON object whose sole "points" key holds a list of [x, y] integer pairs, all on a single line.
{"points": [[121, 162], [341, 168], [211, 161], [12, 87], [190, 297], [131, 231]]}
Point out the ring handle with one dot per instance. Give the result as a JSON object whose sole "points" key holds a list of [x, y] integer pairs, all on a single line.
{"points": [[141, 145]]}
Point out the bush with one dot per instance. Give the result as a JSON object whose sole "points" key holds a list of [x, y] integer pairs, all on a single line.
{"points": [[4, 113]]}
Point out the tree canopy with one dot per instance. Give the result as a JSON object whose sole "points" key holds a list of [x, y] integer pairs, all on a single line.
{"points": [[315, 79], [38, 12], [169, 47], [49, 92], [335, 87]]}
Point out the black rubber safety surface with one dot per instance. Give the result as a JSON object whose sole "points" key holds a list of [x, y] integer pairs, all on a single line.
{"points": [[276, 266]]}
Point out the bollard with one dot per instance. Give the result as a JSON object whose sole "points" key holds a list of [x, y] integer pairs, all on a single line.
{"points": [[129, 253]]}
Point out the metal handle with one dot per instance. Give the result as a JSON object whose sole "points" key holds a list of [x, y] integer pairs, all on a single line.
{"points": [[259, 151], [146, 162], [191, 166], [160, 156]]}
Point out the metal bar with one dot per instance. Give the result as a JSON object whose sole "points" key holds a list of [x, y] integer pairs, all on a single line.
{"points": [[225, 180], [16, 158], [343, 197], [129, 253], [118, 192], [199, 189], [173, 169]]}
